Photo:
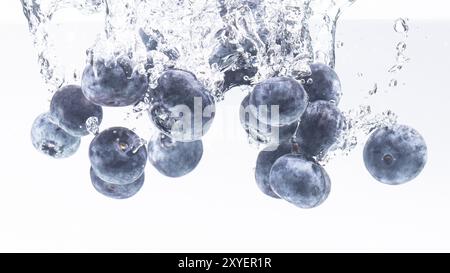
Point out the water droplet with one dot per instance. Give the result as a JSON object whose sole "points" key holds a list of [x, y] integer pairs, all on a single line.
{"points": [[92, 125], [310, 81], [302, 81], [339, 44]]}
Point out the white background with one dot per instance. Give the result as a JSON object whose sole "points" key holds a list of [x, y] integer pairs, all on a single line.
{"points": [[50, 205]]}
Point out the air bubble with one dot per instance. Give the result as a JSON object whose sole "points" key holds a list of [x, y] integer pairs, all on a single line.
{"points": [[92, 125], [401, 25]]}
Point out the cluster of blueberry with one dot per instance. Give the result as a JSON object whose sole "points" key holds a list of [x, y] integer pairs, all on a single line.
{"points": [[297, 118], [308, 124], [118, 155]]}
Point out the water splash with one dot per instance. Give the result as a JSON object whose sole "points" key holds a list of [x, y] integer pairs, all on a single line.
{"points": [[287, 35]]}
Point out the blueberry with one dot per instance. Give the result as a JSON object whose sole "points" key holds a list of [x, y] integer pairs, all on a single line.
{"points": [[320, 127], [238, 77], [395, 155], [113, 82], [118, 156], [299, 181], [70, 109], [172, 158], [114, 190], [51, 139], [262, 132], [265, 161], [284, 92], [227, 55], [182, 107], [322, 84]]}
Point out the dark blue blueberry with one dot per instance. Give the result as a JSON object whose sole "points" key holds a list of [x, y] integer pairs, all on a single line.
{"points": [[113, 83], [265, 161], [70, 109], [118, 156], [172, 158], [51, 139], [320, 127], [114, 190], [299, 181], [232, 59], [238, 77], [322, 84], [262, 132], [285, 93], [395, 155], [182, 107]]}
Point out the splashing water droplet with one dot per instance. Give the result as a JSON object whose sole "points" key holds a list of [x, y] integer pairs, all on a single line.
{"points": [[92, 125], [339, 44]]}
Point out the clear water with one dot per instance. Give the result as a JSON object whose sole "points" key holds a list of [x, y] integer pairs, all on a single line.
{"points": [[288, 35]]}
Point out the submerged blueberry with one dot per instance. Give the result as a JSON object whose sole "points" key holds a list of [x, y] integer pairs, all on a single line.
{"points": [[172, 158], [281, 94], [70, 109], [118, 156], [114, 190], [51, 139], [299, 181], [395, 155], [182, 107], [322, 84], [320, 127], [113, 82], [261, 132], [265, 161]]}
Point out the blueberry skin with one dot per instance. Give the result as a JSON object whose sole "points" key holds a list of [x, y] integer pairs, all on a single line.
{"points": [[285, 92], [266, 159], [172, 158], [262, 132], [70, 109], [325, 84], [113, 83], [118, 156], [395, 155], [116, 191], [299, 181], [52, 140], [179, 91], [238, 77], [320, 127]]}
